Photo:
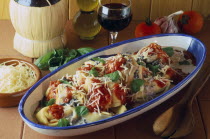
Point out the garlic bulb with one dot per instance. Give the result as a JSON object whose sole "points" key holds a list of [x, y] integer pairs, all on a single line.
{"points": [[167, 23]]}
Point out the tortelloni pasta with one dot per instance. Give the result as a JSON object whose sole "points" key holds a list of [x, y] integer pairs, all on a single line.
{"points": [[104, 87]]}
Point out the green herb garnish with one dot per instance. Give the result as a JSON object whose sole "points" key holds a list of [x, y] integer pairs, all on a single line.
{"points": [[50, 102], [55, 61], [58, 57], [99, 59], [153, 68], [81, 110], [136, 84], [43, 103], [185, 62], [114, 76], [63, 122], [64, 82], [169, 51], [85, 50], [42, 62], [53, 68], [141, 63], [94, 72]]}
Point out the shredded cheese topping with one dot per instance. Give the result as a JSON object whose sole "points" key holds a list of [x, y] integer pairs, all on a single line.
{"points": [[15, 78]]}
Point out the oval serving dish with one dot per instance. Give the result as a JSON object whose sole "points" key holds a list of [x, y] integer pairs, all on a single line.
{"points": [[13, 99], [31, 99]]}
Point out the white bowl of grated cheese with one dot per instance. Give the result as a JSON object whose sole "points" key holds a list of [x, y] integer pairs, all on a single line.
{"points": [[16, 77]]}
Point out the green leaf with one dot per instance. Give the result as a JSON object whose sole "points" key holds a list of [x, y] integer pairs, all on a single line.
{"points": [[136, 84], [64, 82], [73, 53], [169, 51], [81, 110], [185, 62], [85, 50], [99, 59], [114, 76], [153, 68], [141, 63], [50, 102], [94, 72], [63, 122], [43, 103], [55, 61], [42, 62], [53, 68], [67, 59]]}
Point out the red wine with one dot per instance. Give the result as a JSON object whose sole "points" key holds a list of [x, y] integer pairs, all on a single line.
{"points": [[114, 16]]}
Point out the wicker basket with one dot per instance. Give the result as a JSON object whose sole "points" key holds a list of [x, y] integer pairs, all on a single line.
{"points": [[39, 29]]}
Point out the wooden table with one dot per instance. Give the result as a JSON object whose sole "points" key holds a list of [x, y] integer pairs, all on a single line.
{"points": [[12, 126]]}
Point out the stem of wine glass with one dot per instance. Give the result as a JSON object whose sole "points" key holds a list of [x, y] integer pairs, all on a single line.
{"points": [[113, 36]]}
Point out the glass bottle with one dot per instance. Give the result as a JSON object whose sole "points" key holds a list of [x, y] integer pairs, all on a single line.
{"points": [[86, 24], [87, 5]]}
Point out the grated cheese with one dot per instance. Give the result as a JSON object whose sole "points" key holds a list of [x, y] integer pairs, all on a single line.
{"points": [[15, 78]]}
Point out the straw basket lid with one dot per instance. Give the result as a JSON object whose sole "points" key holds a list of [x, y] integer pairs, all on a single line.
{"points": [[39, 23]]}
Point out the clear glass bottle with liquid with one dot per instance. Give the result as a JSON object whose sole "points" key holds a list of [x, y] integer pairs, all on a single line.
{"points": [[85, 21]]}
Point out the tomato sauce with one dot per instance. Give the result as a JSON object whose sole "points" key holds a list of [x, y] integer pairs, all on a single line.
{"points": [[69, 95], [120, 93], [52, 92], [56, 110], [160, 84], [113, 65], [103, 102], [86, 68], [174, 76]]}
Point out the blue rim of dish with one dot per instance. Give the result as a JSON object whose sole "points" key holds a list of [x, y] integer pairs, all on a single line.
{"points": [[131, 111]]}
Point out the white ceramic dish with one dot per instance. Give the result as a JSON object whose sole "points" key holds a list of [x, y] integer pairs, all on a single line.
{"points": [[30, 100]]}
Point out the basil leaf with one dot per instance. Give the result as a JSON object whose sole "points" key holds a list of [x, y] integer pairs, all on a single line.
{"points": [[53, 68], [141, 63], [50, 102], [99, 59], [85, 50], [185, 62], [154, 68], [169, 51], [55, 61], [43, 103], [63, 122], [94, 72], [67, 59], [64, 82], [114, 76], [73, 53], [136, 84], [81, 110], [42, 62]]}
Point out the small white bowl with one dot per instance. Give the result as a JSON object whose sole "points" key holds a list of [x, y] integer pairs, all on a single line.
{"points": [[30, 100]]}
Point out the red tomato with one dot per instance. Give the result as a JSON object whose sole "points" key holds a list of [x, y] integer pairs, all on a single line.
{"points": [[147, 28], [190, 22]]}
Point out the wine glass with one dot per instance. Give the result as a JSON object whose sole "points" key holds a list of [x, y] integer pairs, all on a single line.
{"points": [[114, 16]]}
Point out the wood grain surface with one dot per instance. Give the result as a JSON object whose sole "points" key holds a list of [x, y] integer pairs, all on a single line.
{"points": [[139, 127], [161, 8], [141, 8]]}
